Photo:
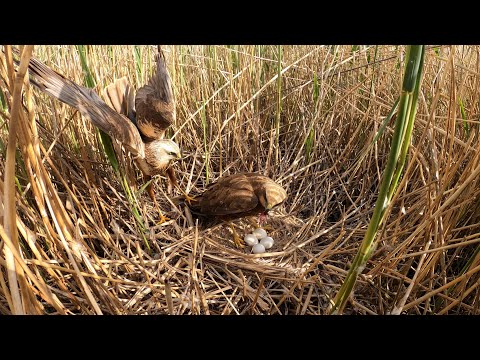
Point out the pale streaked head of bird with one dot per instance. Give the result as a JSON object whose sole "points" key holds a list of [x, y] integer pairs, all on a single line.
{"points": [[274, 195], [171, 150], [162, 153]]}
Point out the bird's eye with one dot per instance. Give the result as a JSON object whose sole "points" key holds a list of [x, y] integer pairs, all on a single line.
{"points": [[172, 153]]}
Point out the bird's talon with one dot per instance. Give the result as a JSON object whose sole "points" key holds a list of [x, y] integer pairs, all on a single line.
{"points": [[239, 243], [237, 240], [189, 199], [256, 224], [162, 219], [267, 227]]}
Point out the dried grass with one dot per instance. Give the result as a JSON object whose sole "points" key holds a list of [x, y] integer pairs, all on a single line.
{"points": [[80, 249]]}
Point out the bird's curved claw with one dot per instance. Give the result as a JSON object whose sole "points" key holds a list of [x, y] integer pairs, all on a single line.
{"points": [[237, 240], [267, 227], [162, 219], [189, 199], [257, 224]]}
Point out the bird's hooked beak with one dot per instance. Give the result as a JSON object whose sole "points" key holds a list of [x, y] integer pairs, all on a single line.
{"points": [[174, 156], [174, 159], [267, 205]]}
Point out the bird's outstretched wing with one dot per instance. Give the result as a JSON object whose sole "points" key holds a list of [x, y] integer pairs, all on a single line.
{"points": [[155, 102], [231, 195], [120, 96], [88, 103]]}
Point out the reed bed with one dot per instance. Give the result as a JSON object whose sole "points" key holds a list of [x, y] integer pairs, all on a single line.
{"points": [[84, 237]]}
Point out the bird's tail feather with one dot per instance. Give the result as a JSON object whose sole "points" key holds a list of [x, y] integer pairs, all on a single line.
{"points": [[163, 79]]}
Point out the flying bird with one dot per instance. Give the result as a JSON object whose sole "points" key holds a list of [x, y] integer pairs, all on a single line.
{"points": [[238, 195], [139, 121]]}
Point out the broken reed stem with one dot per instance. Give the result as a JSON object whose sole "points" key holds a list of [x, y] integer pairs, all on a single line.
{"points": [[17, 307]]}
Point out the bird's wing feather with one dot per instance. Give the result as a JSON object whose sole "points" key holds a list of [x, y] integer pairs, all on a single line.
{"points": [[155, 102], [231, 195], [120, 96], [88, 103]]}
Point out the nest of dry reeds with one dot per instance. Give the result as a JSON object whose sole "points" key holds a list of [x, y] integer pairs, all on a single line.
{"points": [[304, 115]]}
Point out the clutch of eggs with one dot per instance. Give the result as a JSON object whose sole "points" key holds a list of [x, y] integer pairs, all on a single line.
{"points": [[259, 241]]}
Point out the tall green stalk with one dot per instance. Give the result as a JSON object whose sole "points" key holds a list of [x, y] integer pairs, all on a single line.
{"points": [[396, 161], [106, 141], [279, 101], [89, 82], [311, 135], [138, 63], [205, 141], [466, 126], [373, 75], [3, 102]]}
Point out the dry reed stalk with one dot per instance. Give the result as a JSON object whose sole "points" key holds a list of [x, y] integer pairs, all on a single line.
{"points": [[15, 274]]}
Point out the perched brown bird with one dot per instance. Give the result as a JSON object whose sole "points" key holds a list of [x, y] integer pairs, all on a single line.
{"points": [[139, 122], [236, 196]]}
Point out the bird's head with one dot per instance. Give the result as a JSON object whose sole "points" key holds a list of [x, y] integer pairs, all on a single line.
{"points": [[272, 196], [170, 150], [161, 153]]}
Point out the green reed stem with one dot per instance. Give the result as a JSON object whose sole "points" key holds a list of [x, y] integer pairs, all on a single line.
{"points": [[396, 160]]}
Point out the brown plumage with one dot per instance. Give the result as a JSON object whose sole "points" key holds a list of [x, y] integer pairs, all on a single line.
{"points": [[236, 196], [138, 121]]}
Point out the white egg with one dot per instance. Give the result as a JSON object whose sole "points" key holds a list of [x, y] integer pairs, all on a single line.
{"points": [[258, 249], [250, 239], [259, 233], [267, 241]]}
